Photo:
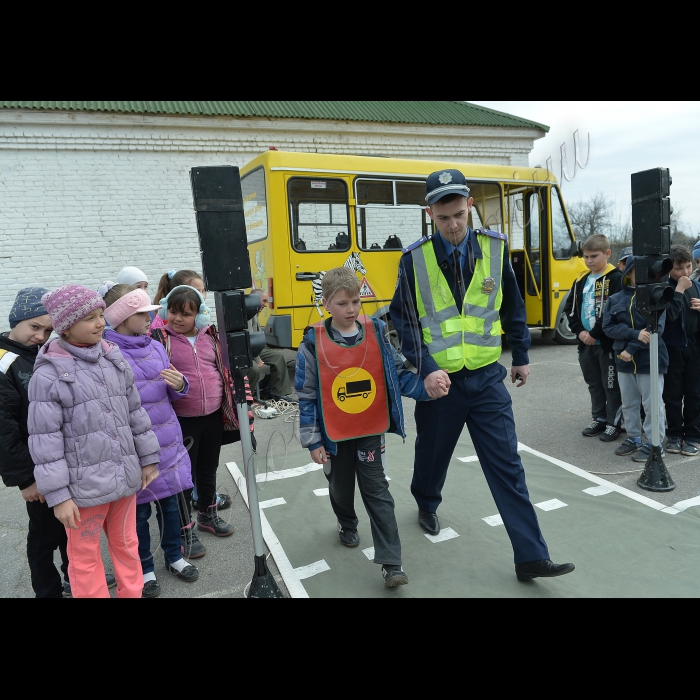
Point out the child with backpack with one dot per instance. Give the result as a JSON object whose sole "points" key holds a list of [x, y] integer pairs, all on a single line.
{"points": [[158, 384], [207, 415], [91, 442]]}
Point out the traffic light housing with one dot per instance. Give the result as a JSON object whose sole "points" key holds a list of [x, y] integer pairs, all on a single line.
{"points": [[234, 309], [651, 212], [651, 278]]}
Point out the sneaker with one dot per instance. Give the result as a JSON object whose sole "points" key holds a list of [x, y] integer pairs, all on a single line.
{"points": [[628, 447], [191, 547], [644, 452], [110, 579], [211, 522], [673, 445], [595, 428], [348, 536], [223, 501], [189, 573], [394, 576], [151, 589], [612, 432], [690, 449]]}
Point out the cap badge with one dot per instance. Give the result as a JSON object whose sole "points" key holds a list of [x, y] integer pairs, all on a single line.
{"points": [[445, 178], [488, 285]]}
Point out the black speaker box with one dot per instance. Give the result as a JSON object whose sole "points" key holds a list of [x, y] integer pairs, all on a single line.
{"points": [[223, 242]]}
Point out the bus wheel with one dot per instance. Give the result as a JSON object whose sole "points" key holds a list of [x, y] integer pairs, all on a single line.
{"points": [[562, 332]]}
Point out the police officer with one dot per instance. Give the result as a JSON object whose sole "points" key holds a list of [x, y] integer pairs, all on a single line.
{"points": [[455, 291]]}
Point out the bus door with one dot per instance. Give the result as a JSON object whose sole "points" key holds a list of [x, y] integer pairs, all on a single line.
{"points": [[321, 239], [390, 215], [527, 229]]}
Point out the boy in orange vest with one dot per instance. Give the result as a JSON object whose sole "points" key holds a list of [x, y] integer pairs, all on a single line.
{"points": [[350, 380]]}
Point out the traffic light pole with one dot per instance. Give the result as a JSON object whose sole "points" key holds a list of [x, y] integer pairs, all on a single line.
{"points": [[655, 476]]}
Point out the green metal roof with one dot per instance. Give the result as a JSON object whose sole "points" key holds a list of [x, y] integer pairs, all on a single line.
{"points": [[424, 112]]}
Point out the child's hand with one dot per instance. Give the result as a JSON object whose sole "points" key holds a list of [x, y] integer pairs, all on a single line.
{"points": [[149, 474], [31, 493], [173, 378], [586, 338], [644, 337], [695, 304], [625, 356], [68, 513], [320, 456], [683, 284]]}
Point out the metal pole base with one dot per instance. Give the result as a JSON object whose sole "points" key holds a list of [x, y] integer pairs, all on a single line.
{"points": [[263, 584], [655, 476]]}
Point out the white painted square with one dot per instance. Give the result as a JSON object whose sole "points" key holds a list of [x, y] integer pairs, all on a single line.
{"points": [[369, 553], [312, 569], [445, 534], [321, 492], [273, 502], [473, 458], [493, 520], [598, 490], [551, 505]]}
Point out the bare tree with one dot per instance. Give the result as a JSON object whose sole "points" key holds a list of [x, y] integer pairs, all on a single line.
{"points": [[592, 215]]}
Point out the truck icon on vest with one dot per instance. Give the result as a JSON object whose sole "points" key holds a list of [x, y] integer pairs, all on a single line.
{"points": [[353, 389]]}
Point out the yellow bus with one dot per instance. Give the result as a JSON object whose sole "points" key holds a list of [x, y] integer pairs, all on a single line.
{"points": [[308, 212]]}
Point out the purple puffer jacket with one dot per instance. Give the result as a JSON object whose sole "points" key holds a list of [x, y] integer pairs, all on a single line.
{"points": [[88, 435], [147, 358]]}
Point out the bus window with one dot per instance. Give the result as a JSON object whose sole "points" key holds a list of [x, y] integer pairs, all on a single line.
{"points": [[486, 212], [533, 228], [318, 213], [254, 204], [514, 209], [390, 213], [561, 236]]}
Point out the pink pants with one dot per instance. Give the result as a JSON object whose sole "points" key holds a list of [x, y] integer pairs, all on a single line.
{"points": [[85, 569]]}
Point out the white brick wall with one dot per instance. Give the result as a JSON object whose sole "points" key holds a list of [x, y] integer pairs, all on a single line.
{"points": [[82, 195]]}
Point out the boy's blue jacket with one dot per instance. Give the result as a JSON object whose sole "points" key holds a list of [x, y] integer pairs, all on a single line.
{"points": [[622, 322], [399, 382]]}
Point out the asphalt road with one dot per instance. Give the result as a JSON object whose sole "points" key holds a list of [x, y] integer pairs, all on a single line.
{"points": [[550, 411]]}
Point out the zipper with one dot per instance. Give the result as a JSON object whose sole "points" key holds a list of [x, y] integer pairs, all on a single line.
{"points": [[634, 296]]}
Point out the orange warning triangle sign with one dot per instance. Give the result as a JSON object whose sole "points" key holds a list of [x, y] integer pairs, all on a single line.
{"points": [[366, 290]]}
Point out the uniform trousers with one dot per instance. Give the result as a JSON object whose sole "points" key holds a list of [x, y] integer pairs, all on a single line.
{"points": [[482, 402], [682, 392], [46, 534], [364, 457], [280, 384]]}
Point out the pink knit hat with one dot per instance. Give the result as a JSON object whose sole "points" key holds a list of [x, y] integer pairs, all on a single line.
{"points": [[69, 303], [132, 303]]}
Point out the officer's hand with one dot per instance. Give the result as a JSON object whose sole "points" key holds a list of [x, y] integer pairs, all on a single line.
{"points": [[683, 284], [319, 455], [437, 384], [644, 337], [519, 373]]}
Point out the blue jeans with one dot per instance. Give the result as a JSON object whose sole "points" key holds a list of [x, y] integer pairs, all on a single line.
{"points": [[168, 516]]}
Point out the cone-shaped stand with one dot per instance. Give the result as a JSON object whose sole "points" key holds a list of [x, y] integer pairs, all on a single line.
{"points": [[263, 584], [655, 476]]}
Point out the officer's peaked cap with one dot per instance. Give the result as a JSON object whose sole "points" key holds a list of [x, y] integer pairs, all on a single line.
{"points": [[444, 182]]}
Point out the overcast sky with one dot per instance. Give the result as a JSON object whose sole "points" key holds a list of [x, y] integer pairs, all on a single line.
{"points": [[626, 137]]}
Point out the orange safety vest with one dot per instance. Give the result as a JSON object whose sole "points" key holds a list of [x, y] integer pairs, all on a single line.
{"points": [[354, 401]]}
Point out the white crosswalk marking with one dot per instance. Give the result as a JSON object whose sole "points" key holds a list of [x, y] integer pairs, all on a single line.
{"points": [[272, 502], [493, 520], [445, 534], [598, 490], [369, 553], [312, 569], [553, 504]]}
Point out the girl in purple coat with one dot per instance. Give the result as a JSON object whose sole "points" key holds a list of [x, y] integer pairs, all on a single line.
{"points": [[158, 383]]}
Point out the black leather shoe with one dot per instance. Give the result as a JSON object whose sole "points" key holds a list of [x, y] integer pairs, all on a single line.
{"points": [[544, 568], [429, 522], [348, 537]]}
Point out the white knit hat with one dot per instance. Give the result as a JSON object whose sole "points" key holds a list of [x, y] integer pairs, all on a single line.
{"points": [[131, 275]]}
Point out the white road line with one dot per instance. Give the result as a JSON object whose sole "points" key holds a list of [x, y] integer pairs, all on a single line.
{"points": [[493, 520], [550, 505], [369, 553], [288, 473], [473, 458], [273, 502], [598, 490], [312, 569], [446, 533], [321, 492], [289, 576], [689, 503]]}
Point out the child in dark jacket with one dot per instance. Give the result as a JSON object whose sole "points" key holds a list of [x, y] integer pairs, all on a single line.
{"points": [[158, 383], [350, 380], [584, 311], [682, 339], [626, 325], [30, 328]]}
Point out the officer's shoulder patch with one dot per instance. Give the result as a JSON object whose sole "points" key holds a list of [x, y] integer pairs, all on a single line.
{"points": [[415, 245], [492, 234]]}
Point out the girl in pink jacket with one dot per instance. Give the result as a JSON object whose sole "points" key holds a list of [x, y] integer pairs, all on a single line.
{"points": [[91, 442]]}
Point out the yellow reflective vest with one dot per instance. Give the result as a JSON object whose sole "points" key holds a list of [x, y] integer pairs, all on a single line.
{"points": [[471, 338]]}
